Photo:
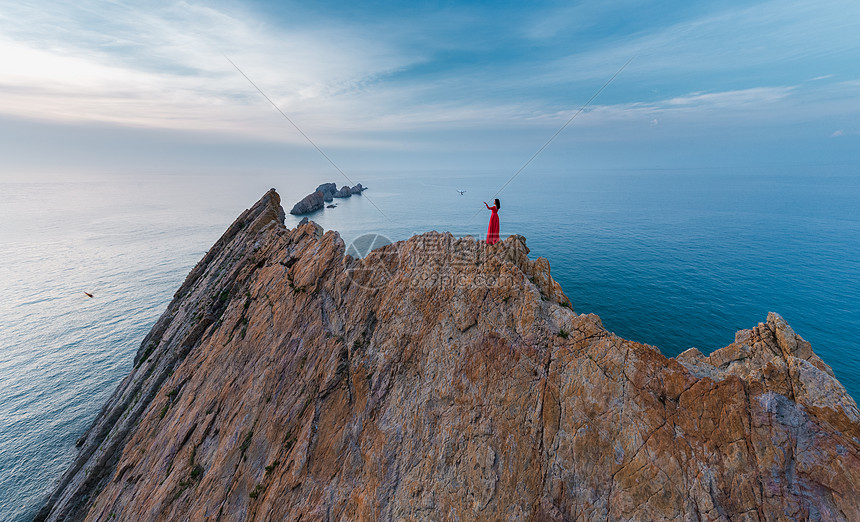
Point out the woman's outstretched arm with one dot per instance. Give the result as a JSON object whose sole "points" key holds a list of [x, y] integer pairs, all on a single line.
{"points": [[488, 206]]}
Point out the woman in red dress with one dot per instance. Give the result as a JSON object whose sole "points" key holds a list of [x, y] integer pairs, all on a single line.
{"points": [[493, 229]]}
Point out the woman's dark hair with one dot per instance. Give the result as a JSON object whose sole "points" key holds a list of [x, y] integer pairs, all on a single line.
{"points": [[498, 204]]}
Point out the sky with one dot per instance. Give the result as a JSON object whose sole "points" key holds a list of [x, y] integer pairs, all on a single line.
{"points": [[136, 87]]}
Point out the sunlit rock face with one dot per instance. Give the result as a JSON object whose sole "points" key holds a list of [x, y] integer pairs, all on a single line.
{"points": [[443, 379]]}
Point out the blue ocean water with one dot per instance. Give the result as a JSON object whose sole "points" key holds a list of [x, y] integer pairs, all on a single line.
{"points": [[671, 258]]}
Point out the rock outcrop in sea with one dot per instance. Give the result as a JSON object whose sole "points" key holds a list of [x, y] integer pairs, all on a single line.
{"points": [[313, 201], [328, 190], [442, 379], [324, 193], [344, 192]]}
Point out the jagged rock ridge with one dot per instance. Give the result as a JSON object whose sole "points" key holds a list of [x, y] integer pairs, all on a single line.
{"points": [[439, 378]]}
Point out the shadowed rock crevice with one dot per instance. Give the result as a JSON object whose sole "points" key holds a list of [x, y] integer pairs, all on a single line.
{"points": [[441, 378]]}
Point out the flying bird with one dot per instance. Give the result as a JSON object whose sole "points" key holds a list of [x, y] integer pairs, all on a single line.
{"points": [[88, 294], [461, 192]]}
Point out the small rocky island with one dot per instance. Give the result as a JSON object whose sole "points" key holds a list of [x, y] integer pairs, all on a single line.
{"points": [[438, 378], [323, 194]]}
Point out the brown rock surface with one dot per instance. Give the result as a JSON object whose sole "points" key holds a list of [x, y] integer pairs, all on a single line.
{"points": [[442, 379]]}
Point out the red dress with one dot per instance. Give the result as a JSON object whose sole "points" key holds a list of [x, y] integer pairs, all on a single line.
{"points": [[493, 229]]}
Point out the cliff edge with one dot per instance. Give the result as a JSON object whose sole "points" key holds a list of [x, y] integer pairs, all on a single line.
{"points": [[439, 378]]}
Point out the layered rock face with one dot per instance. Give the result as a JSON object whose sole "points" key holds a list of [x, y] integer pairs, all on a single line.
{"points": [[442, 379]]}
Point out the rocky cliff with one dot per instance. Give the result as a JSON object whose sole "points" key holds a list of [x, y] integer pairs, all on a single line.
{"points": [[442, 379]]}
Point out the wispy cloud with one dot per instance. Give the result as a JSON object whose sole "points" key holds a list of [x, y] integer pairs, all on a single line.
{"points": [[164, 68], [740, 99], [386, 80], [693, 107], [711, 49]]}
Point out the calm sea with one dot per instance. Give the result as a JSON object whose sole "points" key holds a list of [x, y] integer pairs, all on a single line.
{"points": [[674, 259]]}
